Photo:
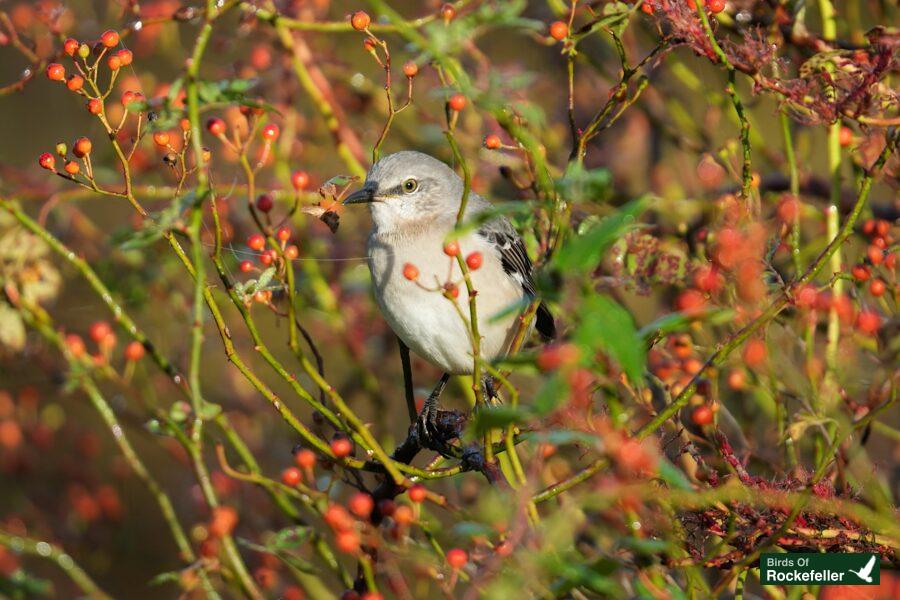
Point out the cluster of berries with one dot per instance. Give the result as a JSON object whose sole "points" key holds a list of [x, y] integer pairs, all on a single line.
{"points": [[450, 289], [102, 335]]}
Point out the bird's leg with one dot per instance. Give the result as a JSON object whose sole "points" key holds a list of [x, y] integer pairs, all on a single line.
{"points": [[428, 428], [407, 380]]}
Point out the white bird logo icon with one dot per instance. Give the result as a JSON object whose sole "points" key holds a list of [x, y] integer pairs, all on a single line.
{"points": [[866, 572]]}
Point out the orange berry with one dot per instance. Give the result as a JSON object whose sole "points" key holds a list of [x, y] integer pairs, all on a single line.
{"points": [[492, 142], [99, 331], [410, 271], [417, 493], [337, 517], [291, 252], [129, 96], [457, 558], [82, 147], [283, 234], [806, 296], [360, 20], [736, 379], [702, 415], [75, 82], [75, 345], [114, 62], [875, 255], [341, 447], [845, 136], [474, 260], [270, 132], [224, 520], [716, 6], [788, 209], [161, 138], [246, 266], [403, 515], [256, 242], [861, 273], [300, 179], [125, 57], [410, 69], [70, 46], [216, 126], [451, 248], [305, 458], [72, 168], [110, 38], [347, 542], [291, 476], [134, 351], [56, 72], [878, 287], [448, 13], [868, 322], [555, 356], [361, 505], [457, 102], [559, 30], [755, 352], [47, 161]]}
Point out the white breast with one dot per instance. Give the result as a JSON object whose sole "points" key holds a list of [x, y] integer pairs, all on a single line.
{"points": [[426, 321]]}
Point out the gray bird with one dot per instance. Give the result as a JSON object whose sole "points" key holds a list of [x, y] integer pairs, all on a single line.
{"points": [[414, 200]]}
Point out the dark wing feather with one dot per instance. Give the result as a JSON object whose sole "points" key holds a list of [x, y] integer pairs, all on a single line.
{"points": [[517, 265]]}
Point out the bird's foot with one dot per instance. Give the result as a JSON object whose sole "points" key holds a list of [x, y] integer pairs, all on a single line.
{"points": [[436, 427]]}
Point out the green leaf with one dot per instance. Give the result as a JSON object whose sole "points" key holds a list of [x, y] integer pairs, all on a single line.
{"points": [[582, 185], [585, 251], [552, 394], [605, 324], [265, 278], [495, 417]]}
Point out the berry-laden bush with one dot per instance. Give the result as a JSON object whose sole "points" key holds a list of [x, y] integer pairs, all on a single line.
{"points": [[198, 394]]}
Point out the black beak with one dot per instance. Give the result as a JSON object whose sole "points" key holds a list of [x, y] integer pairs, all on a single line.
{"points": [[360, 196]]}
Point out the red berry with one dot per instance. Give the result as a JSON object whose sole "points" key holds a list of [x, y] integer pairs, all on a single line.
{"points": [[82, 147], [702, 415], [457, 558], [264, 203], [56, 72], [291, 252], [70, 46], [129, 96], [75, 82], [451, 248], [361, 505], [114, 62], [403, 515], [223, 521], [341, 447], [788, 209], [755, 352], [95, 106], [559, 31], [125, 57], [268, 257], [72, 168], [457, 102], [452, 290], [283, 234], [216, 126], [474, 260], [256, 242], [716, 6], [246, 266], [860, 272], [161, 138], [99, 331], [806, 296], [448, 13], [47, 161], [110, 38], [417, 493], [347, 541], [270, 132], [410, 271], [360, 20], [492, 142], [868, 322], [878, 287], [291, 476], [882, 227], [300, 179], [305, 458], [410, 69], [75, 345], [845, 136], [134, 351], [554, 356]]}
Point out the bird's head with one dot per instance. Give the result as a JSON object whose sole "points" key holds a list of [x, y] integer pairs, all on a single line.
{"points": [[406, 187]]}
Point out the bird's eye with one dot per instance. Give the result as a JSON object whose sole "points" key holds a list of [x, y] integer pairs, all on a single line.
{"points": [[410, 185]]}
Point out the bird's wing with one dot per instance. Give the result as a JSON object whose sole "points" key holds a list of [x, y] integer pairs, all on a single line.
{"points": [[868, 568], [516, 263]]}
